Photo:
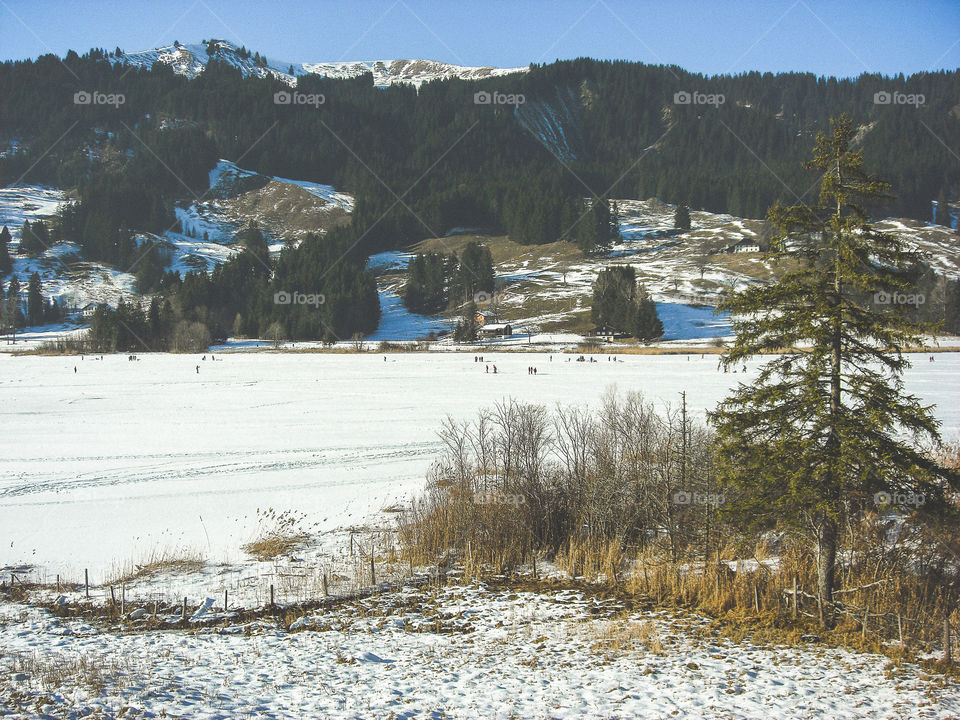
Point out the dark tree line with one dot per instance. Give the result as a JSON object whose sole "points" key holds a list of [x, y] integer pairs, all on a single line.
{"points": [[437, 282]]}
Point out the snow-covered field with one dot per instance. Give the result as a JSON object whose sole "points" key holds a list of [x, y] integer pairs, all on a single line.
{"points": [[120, 457]]}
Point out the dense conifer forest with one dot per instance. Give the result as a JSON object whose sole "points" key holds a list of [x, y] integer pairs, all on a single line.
{"points": [[421, 162]]}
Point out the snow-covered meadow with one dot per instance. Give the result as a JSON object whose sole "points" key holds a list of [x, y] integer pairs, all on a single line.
{"points": [[120, 457]]}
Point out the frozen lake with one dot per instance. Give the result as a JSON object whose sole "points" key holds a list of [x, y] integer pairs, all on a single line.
{"points": [[123, 457]]}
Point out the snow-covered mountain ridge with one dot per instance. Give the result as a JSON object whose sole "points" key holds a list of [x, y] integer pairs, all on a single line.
{"points": [[191, 60]]}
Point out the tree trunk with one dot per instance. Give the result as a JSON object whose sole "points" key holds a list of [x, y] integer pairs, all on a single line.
{"points": [[826, 561]]}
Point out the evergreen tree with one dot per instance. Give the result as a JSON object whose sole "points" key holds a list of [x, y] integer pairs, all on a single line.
{"points": [[614, 221], [817, 434], [467, 329], [681, 218], [6, 262], [614, 295], [35, 302], [647, 325], [943, 210]]}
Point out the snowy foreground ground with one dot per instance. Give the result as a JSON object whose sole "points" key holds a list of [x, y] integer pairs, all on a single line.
{"points": [[454, 652], [116, 462]]}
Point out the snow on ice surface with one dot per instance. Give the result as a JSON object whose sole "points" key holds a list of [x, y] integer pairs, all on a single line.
{"points": [[686, 322], [500, 654], [121, 458]]}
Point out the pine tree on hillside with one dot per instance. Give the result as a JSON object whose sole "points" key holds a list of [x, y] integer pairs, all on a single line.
{"points": [[14, 315], [34, 238], [467, 329], [614, 221], [943, 209], [614, 292], [6, 262], [647, 325], [821, 430], [35, 302], [681, 218]]}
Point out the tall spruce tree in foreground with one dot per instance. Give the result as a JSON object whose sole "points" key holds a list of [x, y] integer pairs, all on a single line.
{"points": [[827, 425]]}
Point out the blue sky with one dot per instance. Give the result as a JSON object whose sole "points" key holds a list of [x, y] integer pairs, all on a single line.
{"points": [[842, 38]]}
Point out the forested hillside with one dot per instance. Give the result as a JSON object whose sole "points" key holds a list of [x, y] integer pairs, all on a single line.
{"points": [[420, 162]]}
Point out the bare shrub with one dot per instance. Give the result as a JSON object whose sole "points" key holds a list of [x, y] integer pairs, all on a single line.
{"points": [[189, 337]]}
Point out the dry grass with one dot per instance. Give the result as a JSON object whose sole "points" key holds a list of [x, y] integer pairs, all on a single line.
{"points": [[91, 672], [176, 561], [280, 534], [619, 636]]}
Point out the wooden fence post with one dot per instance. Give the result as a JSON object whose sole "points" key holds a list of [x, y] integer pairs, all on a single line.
{"points": [[373, 570], [86, 582], [325, 593], [183, 612], [795, 599], [271, 594], [947, 653], [58, 584], [224, 599]]}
